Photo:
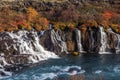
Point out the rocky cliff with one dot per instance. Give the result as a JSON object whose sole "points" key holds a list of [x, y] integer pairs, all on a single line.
{"points": [[89, 40]]}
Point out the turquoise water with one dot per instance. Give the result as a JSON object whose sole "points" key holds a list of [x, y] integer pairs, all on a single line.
{"points": [[92, 66]]}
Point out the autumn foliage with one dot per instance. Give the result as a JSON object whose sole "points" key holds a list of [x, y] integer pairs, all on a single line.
{"points": [[12, 20], [62, 15], [107, 15], [31, 14]]}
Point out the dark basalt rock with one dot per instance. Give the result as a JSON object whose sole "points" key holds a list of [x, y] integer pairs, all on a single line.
{"points": [[114, 41], [53, 40], [45, 41], [70, 39], [91, 42], [59, 41]]}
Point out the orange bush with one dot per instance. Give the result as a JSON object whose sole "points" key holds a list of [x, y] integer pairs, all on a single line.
{"points": [[68, 15], [2, 29], [31, 14], [115, 27], [105, 24], [62, 25], [71, 25], [107, 15], [56, 25], [38, 27], [42, 22]]}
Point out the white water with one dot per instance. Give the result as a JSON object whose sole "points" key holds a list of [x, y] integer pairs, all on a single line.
{"points": [[2, 70], [104, 41], [25, 43], [57, 40], [53, 71], [98, 71], [28, 43], [118, 44], [60, 70], [117, 40], [31, 46], [78, 38]]}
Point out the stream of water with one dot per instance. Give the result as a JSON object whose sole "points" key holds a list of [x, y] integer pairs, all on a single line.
{"points": [[91, 66]]}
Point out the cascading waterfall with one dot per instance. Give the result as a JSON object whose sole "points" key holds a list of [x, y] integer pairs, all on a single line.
{"points": [[104, 41], [118, 43], [56, 38], [78, 39], [28, 43], [116, 40]]}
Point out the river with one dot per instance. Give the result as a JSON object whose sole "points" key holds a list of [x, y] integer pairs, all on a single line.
{"points": [[92, 67]]}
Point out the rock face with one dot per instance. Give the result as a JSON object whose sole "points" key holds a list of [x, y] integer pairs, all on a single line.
{"points": [[89, 40], [114, 41], [54, 41]]}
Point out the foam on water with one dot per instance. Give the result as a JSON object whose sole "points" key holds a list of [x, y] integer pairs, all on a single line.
{"points": [[47, 76], [5, 74], [62, 70], [117, 69], [49, 73], [98, 71], [67, 70], [72, 67]]}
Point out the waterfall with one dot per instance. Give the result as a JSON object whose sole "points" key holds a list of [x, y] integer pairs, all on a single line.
{"points": [[56, 38], [104, 41], [117, 43], [78, 39], [28, 43], [116, 40]]}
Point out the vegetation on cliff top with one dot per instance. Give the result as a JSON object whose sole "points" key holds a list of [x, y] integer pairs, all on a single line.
{"points": [[38, 15]]}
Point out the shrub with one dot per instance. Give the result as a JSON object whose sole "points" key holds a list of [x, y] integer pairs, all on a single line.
{"points": [[115, 27], [31, 14], [42, 22], [38, 27], [59, 25], [68, 15], [91, 23], [105, 24], [71, 25], [107, 15]]}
